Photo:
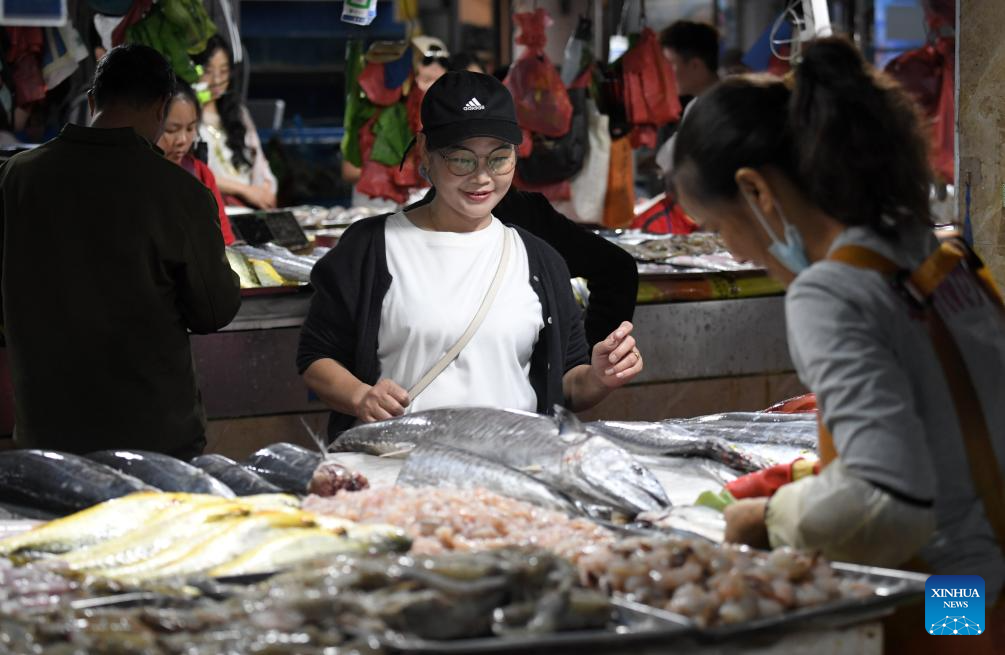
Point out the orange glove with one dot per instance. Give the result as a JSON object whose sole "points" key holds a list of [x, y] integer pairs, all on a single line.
{"points": [[767, 481]]}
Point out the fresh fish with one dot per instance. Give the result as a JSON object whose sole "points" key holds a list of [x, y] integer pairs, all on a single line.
{"points": [[378, 535], [104, 521], [173, 525], [285, 465], [288, 548], [704, 522], [241, 481], [743, 441], [60, 482], [555, 450], [14, 511], [433, 465], [154, 527], [162, 471], [380, 471], [225, 541], [684, 478]]}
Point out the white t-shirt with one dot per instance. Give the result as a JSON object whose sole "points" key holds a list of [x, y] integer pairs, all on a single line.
{"points": [[438, 282]]}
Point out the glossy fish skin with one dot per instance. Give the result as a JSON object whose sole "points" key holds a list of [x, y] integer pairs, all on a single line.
{"points": [[103, 521], [287, 548], [145, 543], [214, 547], [431, 464], [162, 471], [745, 441], [600, 466], [239, 479], [285, 465], [61, 482], [556, 450], [15, 512]]}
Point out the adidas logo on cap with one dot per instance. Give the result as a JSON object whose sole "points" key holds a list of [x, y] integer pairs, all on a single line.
{"points": [[474, 105]]}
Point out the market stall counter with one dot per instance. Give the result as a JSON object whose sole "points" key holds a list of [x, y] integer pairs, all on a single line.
{"points": [[248, 368]]}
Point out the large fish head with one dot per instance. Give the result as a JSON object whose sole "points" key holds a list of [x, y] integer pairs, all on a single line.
{"points": [[600, 468]]}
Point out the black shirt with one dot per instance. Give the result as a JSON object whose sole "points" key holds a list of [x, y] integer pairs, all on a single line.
{"points": [[110, 254], [350, 283], [611, 273]]}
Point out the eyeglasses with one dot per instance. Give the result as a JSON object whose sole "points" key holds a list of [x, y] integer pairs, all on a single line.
{"points": [[461, 163], [435, 55]]}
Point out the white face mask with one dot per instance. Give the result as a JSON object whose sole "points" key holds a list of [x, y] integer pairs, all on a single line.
{"points": [[789, 251]]}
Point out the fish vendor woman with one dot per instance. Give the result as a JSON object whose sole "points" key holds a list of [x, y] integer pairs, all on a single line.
{"points": [[823, 179], [444, 305]]}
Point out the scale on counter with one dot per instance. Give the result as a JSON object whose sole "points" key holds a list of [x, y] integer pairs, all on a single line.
{"points": [[280, 227]]}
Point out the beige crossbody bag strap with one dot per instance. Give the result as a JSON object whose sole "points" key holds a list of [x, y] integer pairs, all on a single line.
{"points": [[476, 323]]}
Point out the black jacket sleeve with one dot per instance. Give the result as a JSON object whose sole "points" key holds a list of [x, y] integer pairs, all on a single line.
{"points": [[209, 292], [329, 331], [611, 273]]}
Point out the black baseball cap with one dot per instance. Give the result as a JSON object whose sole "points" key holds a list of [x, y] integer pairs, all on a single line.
{"points": [[462, 104]]}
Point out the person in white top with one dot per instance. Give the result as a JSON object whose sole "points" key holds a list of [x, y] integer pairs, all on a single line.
{"points": [[399, 291], [235, 151]]}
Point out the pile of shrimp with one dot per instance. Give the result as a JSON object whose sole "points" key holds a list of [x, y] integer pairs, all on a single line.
{"points": [[715, 585], [470, 520]]}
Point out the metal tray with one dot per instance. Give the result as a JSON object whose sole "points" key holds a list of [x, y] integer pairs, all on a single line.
{"points": [[893, 588], [632, 626]]}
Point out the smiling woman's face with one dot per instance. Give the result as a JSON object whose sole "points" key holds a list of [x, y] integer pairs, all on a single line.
{"points": [[473, 195], [216, 74]]}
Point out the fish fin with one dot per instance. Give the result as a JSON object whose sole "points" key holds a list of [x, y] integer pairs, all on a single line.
{"points": [[569, 425], [315, 437]]}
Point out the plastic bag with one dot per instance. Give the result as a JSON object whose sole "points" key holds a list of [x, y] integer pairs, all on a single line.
{"points": [[928, 75], [589, 186], [553, 160], [619, 201], [358, 110], [542, 103], [650, 87], [371, 81], [392, 135], [664, 216]]}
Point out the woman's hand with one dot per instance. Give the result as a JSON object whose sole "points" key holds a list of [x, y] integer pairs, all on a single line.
{"points": [[260, 197], [616, 360], [381, 401], [745, 523]]}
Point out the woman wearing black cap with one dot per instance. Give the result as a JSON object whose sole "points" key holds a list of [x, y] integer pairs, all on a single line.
{"points": [[401, 291]]}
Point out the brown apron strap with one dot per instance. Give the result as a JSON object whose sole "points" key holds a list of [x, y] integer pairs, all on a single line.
{"points": [[984, 469], [862, 257]]}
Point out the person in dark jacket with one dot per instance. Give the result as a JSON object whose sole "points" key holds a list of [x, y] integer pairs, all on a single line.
{"points": [[611, 274], [111, 253], [399, 291]]}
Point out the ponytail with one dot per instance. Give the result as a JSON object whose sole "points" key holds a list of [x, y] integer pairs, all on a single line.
{"points": [[850, 138], [858, 140]]}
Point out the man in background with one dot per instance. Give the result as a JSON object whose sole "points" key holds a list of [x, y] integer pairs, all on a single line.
{"points": [[110, 255], [693, 51]]}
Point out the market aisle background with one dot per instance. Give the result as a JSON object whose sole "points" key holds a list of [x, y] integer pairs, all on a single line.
{"points": [[981, 126]]}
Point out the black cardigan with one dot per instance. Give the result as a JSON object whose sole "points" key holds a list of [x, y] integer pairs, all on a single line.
{"points": [[350, 283], [611, 273]]}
